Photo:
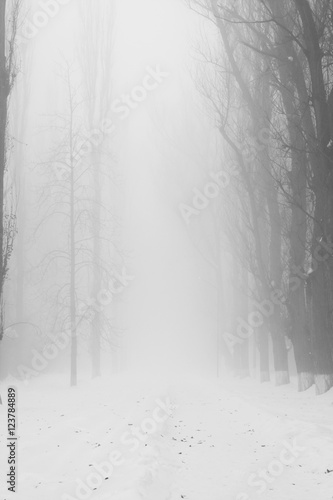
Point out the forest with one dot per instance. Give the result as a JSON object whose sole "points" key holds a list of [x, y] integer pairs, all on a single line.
{"points": [[166, 228]]}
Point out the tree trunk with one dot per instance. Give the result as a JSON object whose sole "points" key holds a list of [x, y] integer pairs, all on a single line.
{"points": [[263, 345], [73, 371], [4, 92], [321, 326], [244, 366], [280, 354], [97, 286], [299, 333]]}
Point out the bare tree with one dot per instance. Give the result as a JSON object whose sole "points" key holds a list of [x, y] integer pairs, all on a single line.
{"points": [[96, 57], [9, 18]]}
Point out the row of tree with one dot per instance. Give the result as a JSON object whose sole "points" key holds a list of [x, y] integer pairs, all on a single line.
{"points": [[9, 22], [67, 259], [269, 83]]}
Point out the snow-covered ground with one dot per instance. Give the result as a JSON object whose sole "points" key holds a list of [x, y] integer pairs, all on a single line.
{"points": [[132, 438]]}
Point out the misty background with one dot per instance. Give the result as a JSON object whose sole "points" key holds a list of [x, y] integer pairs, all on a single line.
{"points": [[166, 226]]}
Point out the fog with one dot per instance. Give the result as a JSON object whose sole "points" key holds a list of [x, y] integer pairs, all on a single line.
{"points": [[166, 233], [160, 147]]}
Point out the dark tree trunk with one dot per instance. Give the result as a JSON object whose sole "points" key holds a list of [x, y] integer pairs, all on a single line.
{"points": [[299, 332], [97, 286], [280, 355], [321, 325], [4, 92], [263, 345]]}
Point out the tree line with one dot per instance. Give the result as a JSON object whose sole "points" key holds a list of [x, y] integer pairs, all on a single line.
{"points": [[268, 83]]}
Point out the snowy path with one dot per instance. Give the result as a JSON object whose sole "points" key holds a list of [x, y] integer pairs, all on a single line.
{"points": [[238, 433], [125, 440]]}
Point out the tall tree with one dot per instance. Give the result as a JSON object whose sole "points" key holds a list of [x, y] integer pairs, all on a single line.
{"points": [[96, 58], [9, 19]]}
